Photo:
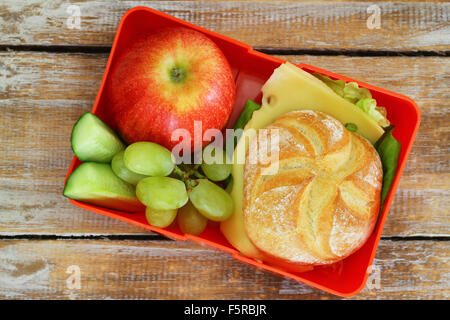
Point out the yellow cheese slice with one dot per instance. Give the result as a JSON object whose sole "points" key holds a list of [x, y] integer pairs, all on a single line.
{"points": [[289, 88]]}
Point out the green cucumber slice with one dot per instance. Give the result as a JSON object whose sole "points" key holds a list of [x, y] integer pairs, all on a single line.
{"points": [[96, 183], [93, 140]]}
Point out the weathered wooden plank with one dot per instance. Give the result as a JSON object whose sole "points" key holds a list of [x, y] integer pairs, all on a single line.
{"points": [[43, 94], [157, 270], [302, 25]]}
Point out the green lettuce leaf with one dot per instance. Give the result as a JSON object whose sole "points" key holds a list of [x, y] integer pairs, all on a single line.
{"points": [[389, 150], [246, 114], [361, 97], [353, 93]]}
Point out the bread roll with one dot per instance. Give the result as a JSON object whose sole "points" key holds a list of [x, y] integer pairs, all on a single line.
{"points": [[322, 203]]}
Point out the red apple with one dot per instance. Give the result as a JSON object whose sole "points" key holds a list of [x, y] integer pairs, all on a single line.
{"points": [[167, 80]]}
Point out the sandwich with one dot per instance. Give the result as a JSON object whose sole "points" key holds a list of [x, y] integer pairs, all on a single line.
{"points": [[322, 203]]}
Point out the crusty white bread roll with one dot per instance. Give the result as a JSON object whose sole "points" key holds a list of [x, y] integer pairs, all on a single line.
{"points": [[323, 202]]}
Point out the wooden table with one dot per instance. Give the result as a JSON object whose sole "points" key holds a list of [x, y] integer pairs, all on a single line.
{"points": [[50, 74]]}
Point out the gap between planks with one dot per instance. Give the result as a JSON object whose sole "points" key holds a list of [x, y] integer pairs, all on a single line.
{"points": [[316, 25], [157, 237], [267, 50]]}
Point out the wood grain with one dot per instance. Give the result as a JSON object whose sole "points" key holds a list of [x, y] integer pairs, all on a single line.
{"points": [[42, 95], [158, 270], [405, 26]]}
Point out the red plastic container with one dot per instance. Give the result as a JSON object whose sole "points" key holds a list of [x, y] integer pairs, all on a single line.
{"points": [[251, 69]]}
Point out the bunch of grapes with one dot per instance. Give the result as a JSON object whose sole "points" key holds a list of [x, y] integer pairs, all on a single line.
{"points": [[189, 193]]}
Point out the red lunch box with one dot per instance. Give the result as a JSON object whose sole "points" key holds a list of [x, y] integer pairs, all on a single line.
{"points": [[251, 69]]}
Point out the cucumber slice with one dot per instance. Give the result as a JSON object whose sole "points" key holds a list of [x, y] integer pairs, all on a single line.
{"points": [[96, 183], [93, 140]]}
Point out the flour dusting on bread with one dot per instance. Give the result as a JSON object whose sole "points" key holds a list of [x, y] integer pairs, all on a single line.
{"points": [[322, 203]]}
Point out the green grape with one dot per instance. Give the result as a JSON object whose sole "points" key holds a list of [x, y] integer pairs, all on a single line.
{"points": [[162, 193], [217, 170], [119, 168], [160, 218], [149, 158], [211, 200], [190, 220]]}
